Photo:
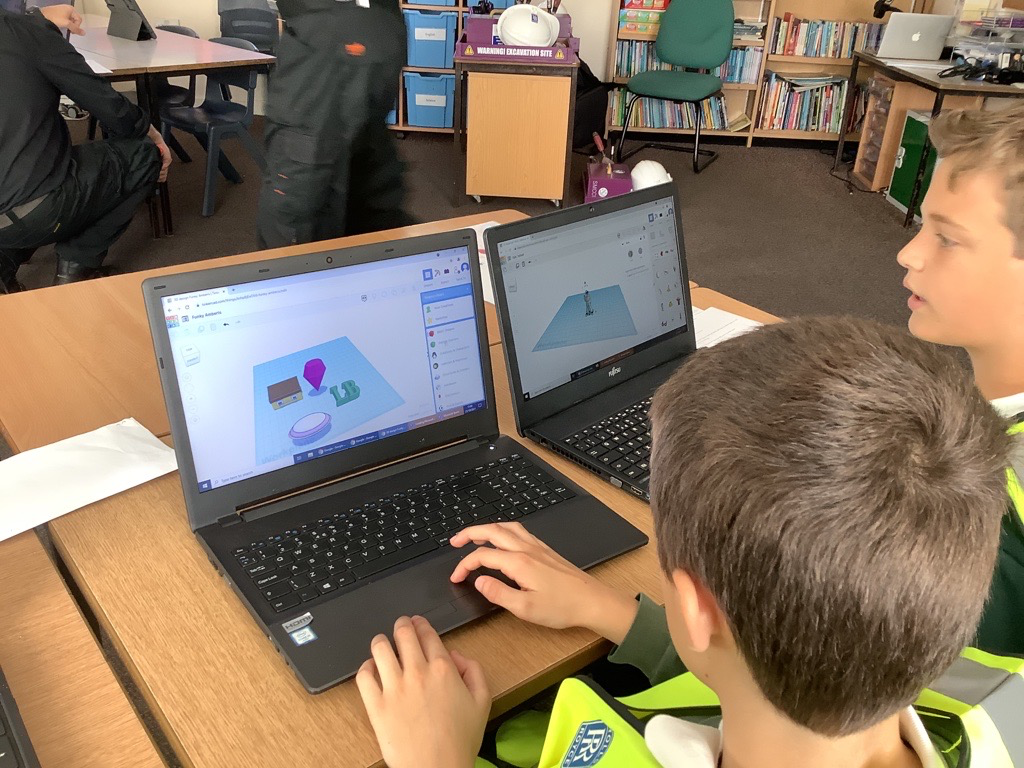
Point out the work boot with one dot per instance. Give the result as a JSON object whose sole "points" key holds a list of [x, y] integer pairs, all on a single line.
{"points": [[73, 272]]}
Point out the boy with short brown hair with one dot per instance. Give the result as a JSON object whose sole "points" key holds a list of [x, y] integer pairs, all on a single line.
{"points": [[965, 272], [827, 496]]}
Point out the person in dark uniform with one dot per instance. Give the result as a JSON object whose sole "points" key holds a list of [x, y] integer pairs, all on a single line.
{"points": [[80, 197], [332, 165]]}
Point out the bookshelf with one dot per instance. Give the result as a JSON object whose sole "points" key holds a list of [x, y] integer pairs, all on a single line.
{"points": [[461, 7], [746, 98]]}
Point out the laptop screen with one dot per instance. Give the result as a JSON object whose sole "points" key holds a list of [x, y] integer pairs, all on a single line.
{"points": [[585, 295], [290, 369]]}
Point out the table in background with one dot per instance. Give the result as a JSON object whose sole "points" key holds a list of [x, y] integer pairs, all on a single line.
{"points": [[74, 709], [81, 356], [217, 685], [148, 61], [928, 79], [513, 138]]}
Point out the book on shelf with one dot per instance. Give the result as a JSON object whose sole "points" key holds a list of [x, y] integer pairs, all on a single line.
{"points": [[748, 29], [656, 113], [803, 102], [793, 36], [635, 56]]}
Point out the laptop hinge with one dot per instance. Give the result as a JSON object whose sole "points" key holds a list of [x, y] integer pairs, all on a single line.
{"points": [[262, 507], [226, 520]]}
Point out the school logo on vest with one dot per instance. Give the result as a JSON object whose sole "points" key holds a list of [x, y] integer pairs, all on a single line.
{"points": [[591, 742]]}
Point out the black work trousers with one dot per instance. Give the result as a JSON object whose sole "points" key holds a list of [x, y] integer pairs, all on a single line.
{"points": [[90, 209], [332, 164]]}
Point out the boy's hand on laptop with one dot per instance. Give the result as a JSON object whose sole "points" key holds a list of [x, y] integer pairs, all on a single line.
{"points": [[428, 707], [552, 591]]}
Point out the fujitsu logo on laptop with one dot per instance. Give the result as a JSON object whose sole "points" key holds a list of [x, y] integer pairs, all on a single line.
{"points": [[615, 371]]}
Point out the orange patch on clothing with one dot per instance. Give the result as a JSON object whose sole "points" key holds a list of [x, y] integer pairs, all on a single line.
{"points": [[355, 49]]}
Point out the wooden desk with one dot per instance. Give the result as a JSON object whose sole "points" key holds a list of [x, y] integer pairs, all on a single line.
{"points": [[74, 709], [218, 687], [928, 79], [493, 146], [83, 352], [170, 54], [149, 61]]}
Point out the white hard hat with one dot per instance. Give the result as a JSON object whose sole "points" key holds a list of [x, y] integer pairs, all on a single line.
{"points": [[648, 173], [528, 26]]}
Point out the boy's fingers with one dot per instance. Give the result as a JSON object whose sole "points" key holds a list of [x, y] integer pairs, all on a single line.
{"points": [[385, 660], [509, 563], [473, 676], [495, 534], [513, 600], [430, 641], [407, 641], [368, 684]]}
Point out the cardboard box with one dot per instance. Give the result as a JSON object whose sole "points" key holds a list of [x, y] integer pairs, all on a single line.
{"points": [[603, 181]]}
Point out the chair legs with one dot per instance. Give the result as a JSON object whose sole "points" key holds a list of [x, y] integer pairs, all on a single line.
{"points": [[212, 144], [175, 145], [253, 147], [698, 166]]}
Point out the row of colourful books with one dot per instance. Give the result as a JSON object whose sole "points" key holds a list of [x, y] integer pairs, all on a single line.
{"points": [[655, 113], [792, 36], [634, 56], [802, 102]]}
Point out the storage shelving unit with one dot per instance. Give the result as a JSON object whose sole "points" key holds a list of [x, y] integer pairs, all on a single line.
{"points": [[747, 96], [461, 7]]}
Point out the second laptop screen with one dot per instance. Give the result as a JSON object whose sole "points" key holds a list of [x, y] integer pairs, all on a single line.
{"points": [[583, 296]]}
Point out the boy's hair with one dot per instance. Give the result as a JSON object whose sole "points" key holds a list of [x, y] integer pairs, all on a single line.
{"points": [[986, 140], [838, 486]]}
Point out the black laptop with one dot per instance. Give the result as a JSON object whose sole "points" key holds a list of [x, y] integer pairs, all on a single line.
{"points": [[595, 313], [334, 420], [15, 748]]}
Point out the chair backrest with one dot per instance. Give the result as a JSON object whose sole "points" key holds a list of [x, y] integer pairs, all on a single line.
{"points": [[179, 30], [696, 33], [258, 26], [216, 80], [236, 5]]}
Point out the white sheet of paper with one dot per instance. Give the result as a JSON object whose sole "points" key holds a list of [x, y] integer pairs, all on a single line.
{"points": [[38, 485], [715, 325], [485, 272], [98, 68]]}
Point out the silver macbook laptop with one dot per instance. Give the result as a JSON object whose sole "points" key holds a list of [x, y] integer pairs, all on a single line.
{"points": [[919, 36]]}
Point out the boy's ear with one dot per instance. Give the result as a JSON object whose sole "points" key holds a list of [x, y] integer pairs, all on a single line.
{"points": [[698, 608]]}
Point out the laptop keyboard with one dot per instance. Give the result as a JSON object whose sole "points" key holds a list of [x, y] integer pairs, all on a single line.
{"points": [[621, 441], [301, 564]]}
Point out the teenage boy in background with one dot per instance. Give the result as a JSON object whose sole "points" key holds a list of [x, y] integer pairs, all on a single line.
{"points": [[827, 496], [965, 271], [80, 197]]}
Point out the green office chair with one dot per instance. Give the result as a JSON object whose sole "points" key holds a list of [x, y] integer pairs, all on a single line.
{"points": [[696, 34]]}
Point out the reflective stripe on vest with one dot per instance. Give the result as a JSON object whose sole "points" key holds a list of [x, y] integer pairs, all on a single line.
{"points": [[972, 713], [1015, 472], [986, 693]]}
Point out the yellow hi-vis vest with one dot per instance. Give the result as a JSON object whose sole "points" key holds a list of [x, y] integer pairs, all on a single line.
{"points": [[974, 714]]}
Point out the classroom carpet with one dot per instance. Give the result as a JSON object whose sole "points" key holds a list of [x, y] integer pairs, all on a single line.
{"points": [[767, 225]]}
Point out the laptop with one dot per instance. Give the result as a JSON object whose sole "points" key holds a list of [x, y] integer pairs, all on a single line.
{"points": [[15, 748], [920, 36], [334, 420], [594, 308]]}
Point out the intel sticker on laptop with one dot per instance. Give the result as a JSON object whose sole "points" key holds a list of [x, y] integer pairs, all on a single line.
{"points": [[299, 630], [303, 636]]}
